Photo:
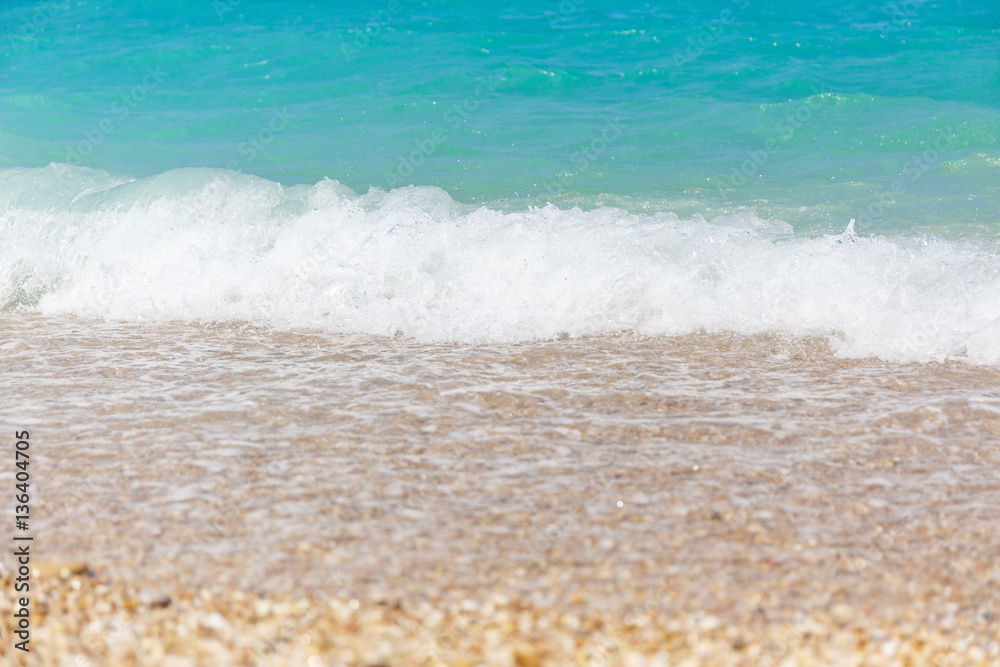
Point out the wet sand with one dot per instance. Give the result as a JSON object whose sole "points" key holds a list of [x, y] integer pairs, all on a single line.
{"points": [[241, 496]]}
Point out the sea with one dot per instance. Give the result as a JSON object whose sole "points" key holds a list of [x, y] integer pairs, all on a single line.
{"points": [[478, 173], [275, 271]]}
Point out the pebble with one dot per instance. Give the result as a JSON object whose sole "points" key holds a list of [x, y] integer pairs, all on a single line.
{"points": [[215, 621], [153, 598], [60, 569], [525, 656], [842, 613]]}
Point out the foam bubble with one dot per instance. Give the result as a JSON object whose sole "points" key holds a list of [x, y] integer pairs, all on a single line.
{"points": [[200, 244]]}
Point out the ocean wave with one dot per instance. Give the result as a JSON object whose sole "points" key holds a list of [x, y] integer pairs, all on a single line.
{"points": [[213, 245]]}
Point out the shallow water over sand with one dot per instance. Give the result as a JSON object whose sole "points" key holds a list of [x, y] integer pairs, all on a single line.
{"points": [[700, 475]]}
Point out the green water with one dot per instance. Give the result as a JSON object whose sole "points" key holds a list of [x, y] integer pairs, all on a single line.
{"points": [[811, 112]]}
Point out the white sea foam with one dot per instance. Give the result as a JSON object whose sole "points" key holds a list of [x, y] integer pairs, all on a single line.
{"points": [[202, 244]]}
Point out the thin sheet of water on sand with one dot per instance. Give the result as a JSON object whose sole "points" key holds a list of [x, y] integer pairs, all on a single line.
{"points": [[755, 481]]}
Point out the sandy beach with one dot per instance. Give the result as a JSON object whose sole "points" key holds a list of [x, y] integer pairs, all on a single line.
{"points": [[521, 334], [229, 495]]}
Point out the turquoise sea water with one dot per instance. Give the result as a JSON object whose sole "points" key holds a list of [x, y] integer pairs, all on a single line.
{"points": [[799, 104], [784, 116]]}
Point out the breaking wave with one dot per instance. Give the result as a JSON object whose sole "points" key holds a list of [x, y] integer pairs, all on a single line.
{"points": [[211, 245]]}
